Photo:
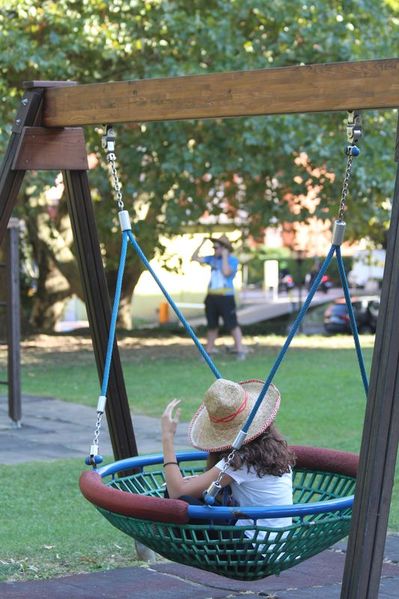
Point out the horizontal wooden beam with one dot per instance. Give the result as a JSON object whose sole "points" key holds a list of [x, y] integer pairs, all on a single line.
{"points": [[312, 88], [42, 149]]}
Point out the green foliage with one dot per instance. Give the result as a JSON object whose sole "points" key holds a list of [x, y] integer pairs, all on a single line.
{"points": [[173, 171]]}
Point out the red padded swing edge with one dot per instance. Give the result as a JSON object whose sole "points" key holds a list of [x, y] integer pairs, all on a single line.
{"points": [[131, 504], [326, 460], [176, 510]]}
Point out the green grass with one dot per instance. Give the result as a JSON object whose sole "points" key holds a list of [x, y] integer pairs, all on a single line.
{"points": [[48, 529], [157, 371], [323, 399], [322, 395]]}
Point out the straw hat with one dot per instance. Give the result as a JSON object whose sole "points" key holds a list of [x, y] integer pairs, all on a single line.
{"points": [[225, 409], [224, 241]]}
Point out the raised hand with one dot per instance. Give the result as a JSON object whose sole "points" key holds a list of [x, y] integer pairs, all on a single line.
{"points": [[170, 418]]}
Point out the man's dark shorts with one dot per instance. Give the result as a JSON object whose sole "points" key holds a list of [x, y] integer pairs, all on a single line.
{"points": [[223, 306]]}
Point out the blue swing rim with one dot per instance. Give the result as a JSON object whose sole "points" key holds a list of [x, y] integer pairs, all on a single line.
{"points": [[217, 513]]}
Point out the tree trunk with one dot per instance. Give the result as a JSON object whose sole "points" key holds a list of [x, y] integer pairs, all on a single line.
{"points": [[51, 238], [132, 274], [52, 291], [56, 266]]}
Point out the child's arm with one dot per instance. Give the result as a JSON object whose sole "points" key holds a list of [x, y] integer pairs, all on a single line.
{"points": [[176, 484], [195, 257]]}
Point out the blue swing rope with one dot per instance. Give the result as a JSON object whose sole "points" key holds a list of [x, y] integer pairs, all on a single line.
{"points": [[291, 335], [352, 319], [171, 302], [114, 315], [335, 249], [127, 236], [354, 133]]}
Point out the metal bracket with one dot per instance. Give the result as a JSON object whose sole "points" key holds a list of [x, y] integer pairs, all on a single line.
{"points": [[22, 113], [354, 126], [108, 139]]}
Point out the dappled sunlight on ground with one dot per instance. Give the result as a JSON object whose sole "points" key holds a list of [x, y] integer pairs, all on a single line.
{"points": [[36, 347]]}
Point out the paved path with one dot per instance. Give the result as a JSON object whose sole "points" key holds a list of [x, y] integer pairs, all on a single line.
{"points": [[317, 578], [258, 306], [254, 306], [53, 429]]}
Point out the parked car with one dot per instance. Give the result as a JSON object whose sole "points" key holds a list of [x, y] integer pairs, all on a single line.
{"points": [[336, 317]]}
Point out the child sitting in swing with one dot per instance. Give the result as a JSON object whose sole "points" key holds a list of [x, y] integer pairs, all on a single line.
{"points": [[260, 473]]}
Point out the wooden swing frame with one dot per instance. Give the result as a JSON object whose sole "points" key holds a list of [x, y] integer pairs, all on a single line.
{"points": [[47, 135]]}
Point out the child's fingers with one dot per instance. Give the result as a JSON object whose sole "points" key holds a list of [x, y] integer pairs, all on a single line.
{"points": [[170, 407]]}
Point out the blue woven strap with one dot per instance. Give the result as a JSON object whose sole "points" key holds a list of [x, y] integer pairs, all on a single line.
{"points": [[290, 337], [171, 302], [114, 315], [355, 333]]}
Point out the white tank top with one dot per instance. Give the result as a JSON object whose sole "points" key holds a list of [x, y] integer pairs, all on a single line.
{"points": [[250, 490]]}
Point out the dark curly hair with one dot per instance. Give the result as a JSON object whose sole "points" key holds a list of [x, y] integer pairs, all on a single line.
{"points": [[267, 454]]}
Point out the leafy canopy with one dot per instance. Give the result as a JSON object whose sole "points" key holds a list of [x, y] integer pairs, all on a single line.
{"points": [[173, 172]]}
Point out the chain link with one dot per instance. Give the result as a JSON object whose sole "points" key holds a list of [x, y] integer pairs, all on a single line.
{"points": [[216, 486], [353, 132], [108, 143], [97, 428], [345, 188], [226, 466]]}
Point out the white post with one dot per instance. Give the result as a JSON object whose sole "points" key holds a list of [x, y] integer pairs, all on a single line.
{"points": [[270, 278]]}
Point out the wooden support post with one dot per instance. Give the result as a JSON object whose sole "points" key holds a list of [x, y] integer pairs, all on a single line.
{"points": [[13, 323], [10, 181], [98, 309], [28, 115], [380, 440], [12, 171]]}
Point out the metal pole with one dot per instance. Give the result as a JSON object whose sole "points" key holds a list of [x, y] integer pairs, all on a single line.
{"points": [[14, 323]]}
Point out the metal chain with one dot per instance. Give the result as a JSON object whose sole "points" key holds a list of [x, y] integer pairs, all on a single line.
{"points": [[353, 132], [108, 143], [216, 486], [97, 428], [345, 188], [227, 463]]}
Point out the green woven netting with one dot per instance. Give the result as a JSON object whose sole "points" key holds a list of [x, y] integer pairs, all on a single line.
{"points": [[226, 550]]}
